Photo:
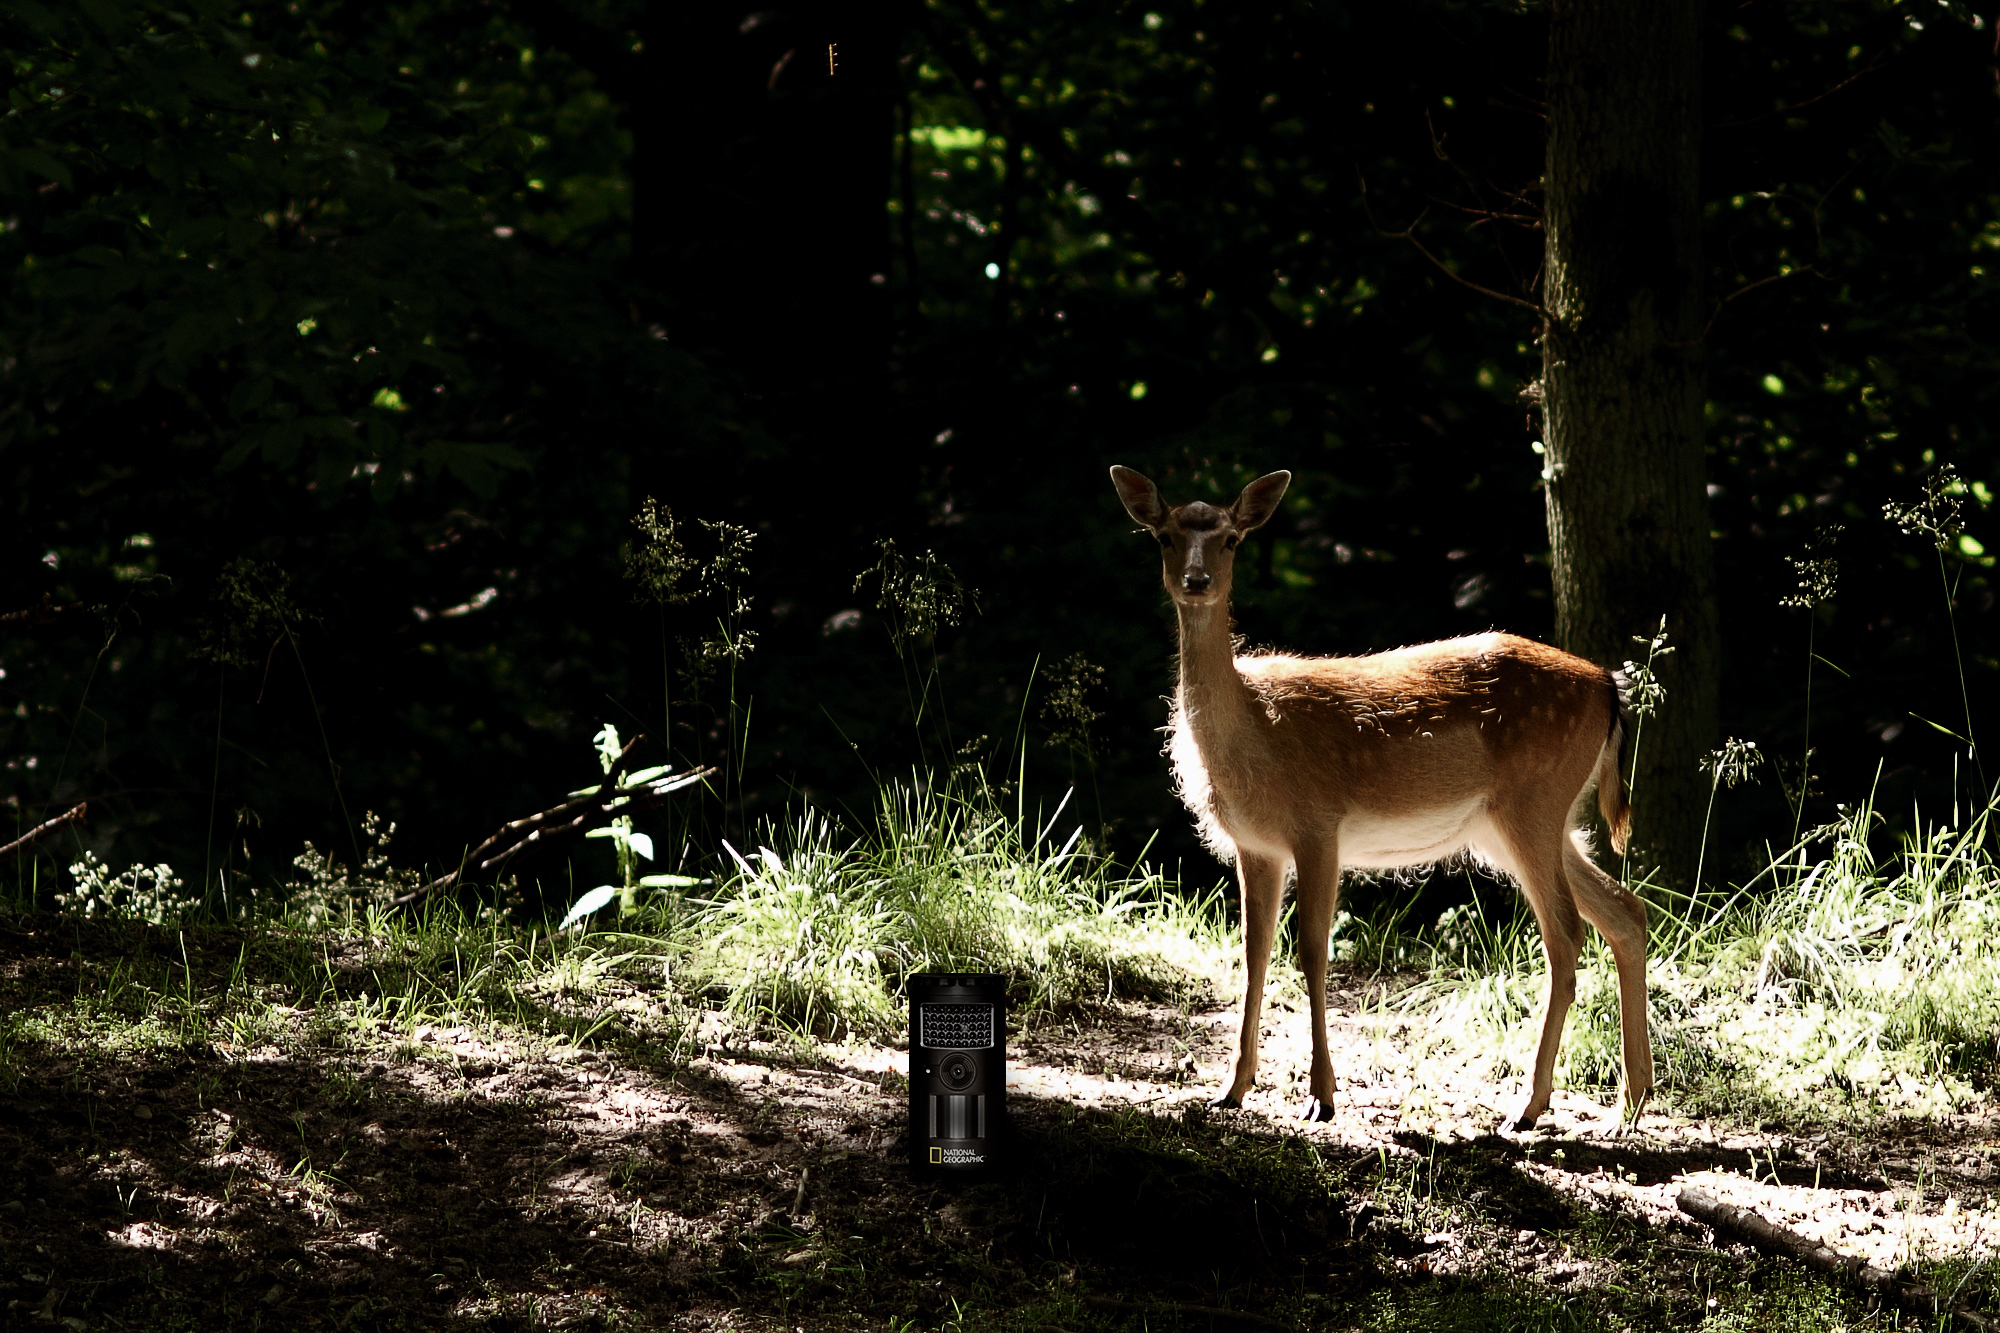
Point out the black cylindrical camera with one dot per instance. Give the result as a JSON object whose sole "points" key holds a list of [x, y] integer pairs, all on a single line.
{"points": [[958, 1070]]}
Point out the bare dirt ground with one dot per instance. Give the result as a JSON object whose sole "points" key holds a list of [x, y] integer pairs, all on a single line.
{"points": [[482, 1177]]}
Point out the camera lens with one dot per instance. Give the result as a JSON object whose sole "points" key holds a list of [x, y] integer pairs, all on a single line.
{"points": [[956, 1071]]}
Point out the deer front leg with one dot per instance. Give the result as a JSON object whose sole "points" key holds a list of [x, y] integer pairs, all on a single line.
{"points": [[1262, 881], [1318, 896]]}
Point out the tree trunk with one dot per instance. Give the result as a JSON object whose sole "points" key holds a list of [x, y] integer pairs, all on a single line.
{"points": [[1622, 384]]}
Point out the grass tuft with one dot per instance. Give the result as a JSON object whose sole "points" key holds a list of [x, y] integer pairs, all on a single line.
{"points": [[816, 931], [1842, 977]]}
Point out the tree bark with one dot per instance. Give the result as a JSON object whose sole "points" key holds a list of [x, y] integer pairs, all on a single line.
{"points": [[1622, 384]]}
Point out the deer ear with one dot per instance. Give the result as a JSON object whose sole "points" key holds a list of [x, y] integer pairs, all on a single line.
{"points": [[1141, 498], [1253, 508]]}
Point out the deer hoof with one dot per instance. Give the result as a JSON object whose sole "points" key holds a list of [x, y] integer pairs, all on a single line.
{"points": [[1226, 1102], [1317, 1111]]}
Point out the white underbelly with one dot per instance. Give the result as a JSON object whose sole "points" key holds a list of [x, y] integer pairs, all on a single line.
{"points": [[1375, 841]]}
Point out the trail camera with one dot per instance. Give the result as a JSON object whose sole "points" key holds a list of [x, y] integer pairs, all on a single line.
{"points": [[958, 1070]]}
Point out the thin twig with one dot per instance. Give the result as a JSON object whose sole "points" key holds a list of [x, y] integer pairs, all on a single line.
{"points": [[1744, 290], [40, 831], [1874, 64], [1409, 234]]}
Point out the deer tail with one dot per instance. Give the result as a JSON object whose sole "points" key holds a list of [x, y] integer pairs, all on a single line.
{"points": [[1611, 802]]}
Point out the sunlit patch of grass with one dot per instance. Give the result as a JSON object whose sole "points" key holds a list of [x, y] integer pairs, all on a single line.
{"points": [[313, 989], [816, 929], [1839, 979], [1448, 1307], [1788, 1299]]}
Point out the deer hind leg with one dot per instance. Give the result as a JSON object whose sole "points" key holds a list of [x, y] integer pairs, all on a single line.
{"points": [[1621, 918], [1318, 896], [1262, 880], [1537, 862]]}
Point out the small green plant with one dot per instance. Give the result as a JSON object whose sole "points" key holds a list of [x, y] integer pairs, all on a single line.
{"points": [[659, 564], [1070, 716], [1818, 575], [918, 597], [1936, 516], [1735, 763], [330, 891], [253, 606], [1643, 696], [139, 893], [714, 586], [630, 846]]}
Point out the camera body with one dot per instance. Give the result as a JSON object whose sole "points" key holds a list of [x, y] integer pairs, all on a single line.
{"points": [[958, 1071]]}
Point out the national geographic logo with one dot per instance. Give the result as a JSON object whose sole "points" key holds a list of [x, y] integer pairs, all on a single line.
{"points": [[957, 1157]]}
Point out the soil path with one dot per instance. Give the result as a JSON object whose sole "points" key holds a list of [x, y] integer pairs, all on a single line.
{"points": [[478, 1177]]}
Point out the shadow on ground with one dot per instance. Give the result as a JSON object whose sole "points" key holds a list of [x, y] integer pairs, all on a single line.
{"points": [[198, 1134]]}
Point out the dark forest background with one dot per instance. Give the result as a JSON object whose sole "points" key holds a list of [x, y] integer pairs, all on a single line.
{"points": [[343, 342]]}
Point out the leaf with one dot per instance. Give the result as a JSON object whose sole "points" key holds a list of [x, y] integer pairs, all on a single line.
{"points": [[43, 164], [611, 831], [670, 882], [646, 775], [186, 338], [250, 394], [279, 441], [737, 857], [771, 859], [594, 901], [477, 465], [641, 843], [1941, 727]]}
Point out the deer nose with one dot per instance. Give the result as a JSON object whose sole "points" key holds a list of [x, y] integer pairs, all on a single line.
{"points": [[1196, 582]]}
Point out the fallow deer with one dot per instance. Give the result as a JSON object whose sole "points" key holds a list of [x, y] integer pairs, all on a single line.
{"points": [[1484, 746]]}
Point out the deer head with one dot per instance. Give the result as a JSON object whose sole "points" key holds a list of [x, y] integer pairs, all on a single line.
{"points": [[1198, 540]]}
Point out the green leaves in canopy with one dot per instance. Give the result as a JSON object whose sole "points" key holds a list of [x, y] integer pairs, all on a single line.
{"points": [[254, 217]]}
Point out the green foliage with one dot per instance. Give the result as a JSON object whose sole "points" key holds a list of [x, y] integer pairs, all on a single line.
{"points": [[1067, 708], [253, 609], [141, 893], [330, 892], [816, 933], [1836, 982], [303, 299], [658, 563], [277, 233], [919, 596]]}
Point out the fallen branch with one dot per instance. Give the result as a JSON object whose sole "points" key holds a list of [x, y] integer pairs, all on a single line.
{"points": [[40, 831], [1213, 1313], [578, 815], [41, 613], [1747, 1225]]}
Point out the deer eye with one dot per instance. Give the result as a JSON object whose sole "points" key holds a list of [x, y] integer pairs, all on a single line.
{"points": [[1230, 544], [1166, 541]]}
